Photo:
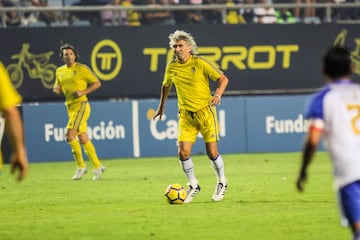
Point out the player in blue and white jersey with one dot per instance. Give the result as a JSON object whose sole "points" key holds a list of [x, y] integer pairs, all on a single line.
{"points": [[334, 116]]}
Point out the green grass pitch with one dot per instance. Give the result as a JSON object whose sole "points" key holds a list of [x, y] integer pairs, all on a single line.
{"points": [[129, 202]]}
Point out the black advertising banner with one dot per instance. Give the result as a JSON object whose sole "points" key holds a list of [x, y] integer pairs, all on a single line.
{"points": [[130, 61]]}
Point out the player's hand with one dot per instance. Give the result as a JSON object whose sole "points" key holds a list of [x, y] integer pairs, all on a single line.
{"points": [[300, 182], [158, 114], [215, 100], [77, 94], [19, 163], [57, 90]]}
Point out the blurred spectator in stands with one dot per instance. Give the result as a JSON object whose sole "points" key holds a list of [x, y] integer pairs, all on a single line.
{"points": [[160, 17], [44, 16], [195, 16], [93, 17], [347, 13], [265, 14], [248, 13], [188, 16], [28, 17], [307, 14], [12, 18], [213, 16], [322, 13], [233, 16], [111, 17], [180, 17], [284, 15], [298, 10], [130, 17]]}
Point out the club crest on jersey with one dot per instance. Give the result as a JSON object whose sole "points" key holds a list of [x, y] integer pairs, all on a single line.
{"points": [[193, 70]]}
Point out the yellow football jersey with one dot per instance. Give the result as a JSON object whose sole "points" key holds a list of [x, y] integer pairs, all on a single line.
{"points": [[74, 78], [9, 97], [191, 81]]}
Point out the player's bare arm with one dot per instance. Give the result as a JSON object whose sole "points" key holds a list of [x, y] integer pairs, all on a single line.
{"points": [[165, 91], [310, 147], [222, 84], [92, 88], [14, 128]]}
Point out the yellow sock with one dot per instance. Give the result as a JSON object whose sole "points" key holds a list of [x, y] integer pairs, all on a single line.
{"points": [[91, 153], [77, 154]]}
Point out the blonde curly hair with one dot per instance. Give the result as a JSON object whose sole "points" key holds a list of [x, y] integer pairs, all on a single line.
{"points": [[187, 37]]}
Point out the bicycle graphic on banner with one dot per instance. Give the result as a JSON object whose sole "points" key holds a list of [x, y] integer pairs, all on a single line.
{"points": [[37, 66]]}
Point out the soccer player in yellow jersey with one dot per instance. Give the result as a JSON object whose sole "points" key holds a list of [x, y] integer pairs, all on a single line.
{"points": [[190, 74], [9, 98], [76, 81]]}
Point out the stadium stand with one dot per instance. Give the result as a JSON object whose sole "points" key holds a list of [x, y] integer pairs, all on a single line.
{"points": [[82, 12]]}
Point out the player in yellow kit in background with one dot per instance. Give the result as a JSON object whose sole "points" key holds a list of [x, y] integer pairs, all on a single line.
{"points": [[190, 75], [76, 81], [9, 98]]}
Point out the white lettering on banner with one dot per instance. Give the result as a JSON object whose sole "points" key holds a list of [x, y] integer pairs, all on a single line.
{"points": [[97, 132], [171, 131], [284, 126], [109, 132], [58, 134]]}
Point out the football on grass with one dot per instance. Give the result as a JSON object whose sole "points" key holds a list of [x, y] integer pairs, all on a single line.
{"points": [[175, 194]]}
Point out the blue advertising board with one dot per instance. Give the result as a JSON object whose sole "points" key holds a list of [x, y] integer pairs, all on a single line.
{"points": [[122, 129], [159, 138], [233, 133], [275, 124], [109, 127]]}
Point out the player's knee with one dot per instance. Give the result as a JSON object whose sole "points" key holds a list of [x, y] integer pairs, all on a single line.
{"points": [[71, 135], [183, 154], [69, 138], [83, 138], [213, 155]]}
